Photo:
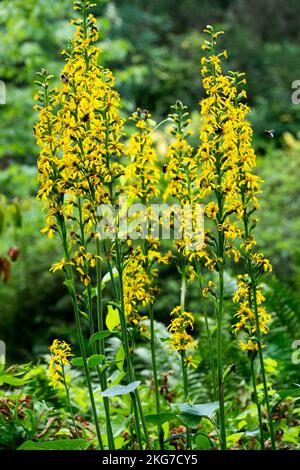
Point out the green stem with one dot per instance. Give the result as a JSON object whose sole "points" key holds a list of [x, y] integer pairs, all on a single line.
{"points": [[257, 332], [220, 362], [253, 374], [155, 374], [69, 400], [183, 363], [72, 292], [186, 395], [208, 333], [102, 376], [133, 395], [261, 357]]}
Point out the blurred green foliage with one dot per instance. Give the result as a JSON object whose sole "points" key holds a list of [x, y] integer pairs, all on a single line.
{"points": [[154, 51]]}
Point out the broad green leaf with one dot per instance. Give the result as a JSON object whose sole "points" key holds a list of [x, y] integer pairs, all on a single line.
{"points": [[120, 357], [92, 361], [112, 318], [191, 415], [292, 435], [59, 444], [95, 360], [100, 335], [293, 392], [77, 361], [120, 389], [14, 381], [202, 442], [160, 418], [235, 437]]}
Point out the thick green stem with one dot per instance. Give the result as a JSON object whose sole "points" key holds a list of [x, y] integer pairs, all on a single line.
{"points": [[102, 376], [253, 375], [72, 291], [137, 409], [155, 374], [258, 333], [83, 354], [208, 333], [183, 356], [186, 395], [261, 357], [69, 400], [220, 362]]}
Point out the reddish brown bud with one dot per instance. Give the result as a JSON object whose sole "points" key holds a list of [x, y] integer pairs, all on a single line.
{"points": [[4, 269], [13, 253]]}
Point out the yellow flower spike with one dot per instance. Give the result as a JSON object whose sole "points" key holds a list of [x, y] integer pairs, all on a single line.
{"points": [[60, 352], [180, 339]]}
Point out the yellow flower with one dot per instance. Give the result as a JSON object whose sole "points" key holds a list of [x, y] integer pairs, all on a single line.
{"points": [[79, 134], [180, 339], [249, 345], [60, 353]]}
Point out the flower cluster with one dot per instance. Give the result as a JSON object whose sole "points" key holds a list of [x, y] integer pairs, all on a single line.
{"points": [[218, 153], [246, 320], [60, 353], [182, 176], [142, 171], [79, 133], [180, 339]]}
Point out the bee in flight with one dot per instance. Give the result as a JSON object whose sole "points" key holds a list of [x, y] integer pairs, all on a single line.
{"points": [[269, 133]]}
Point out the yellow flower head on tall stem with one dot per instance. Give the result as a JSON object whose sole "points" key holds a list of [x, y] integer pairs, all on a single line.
{"points": [[142, 172], [180, 329], [60, 352], [182, 177], [79, 132]]}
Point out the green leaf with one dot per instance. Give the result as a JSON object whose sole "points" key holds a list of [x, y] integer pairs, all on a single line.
{"points": [[293, 392], [92, 292], [95, 360], [112, 317], [100, 335], [77, 361], [160, 418], [191, 415], [202, 442], [92, 361], [59, 444], [120, 357], [107, 278], [69, 284], [120, 389], [235, 437], [14, 381]]}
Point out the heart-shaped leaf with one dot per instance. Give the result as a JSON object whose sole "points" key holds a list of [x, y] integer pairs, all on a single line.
{"points": [[160, 418], [92, 361], [191, 415], [120, 389]]}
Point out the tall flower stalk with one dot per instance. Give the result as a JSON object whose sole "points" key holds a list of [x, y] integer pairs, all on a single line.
{"points": [[143, 187], [78, 131], [252, 315], [218, 184], [182, 174]]}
